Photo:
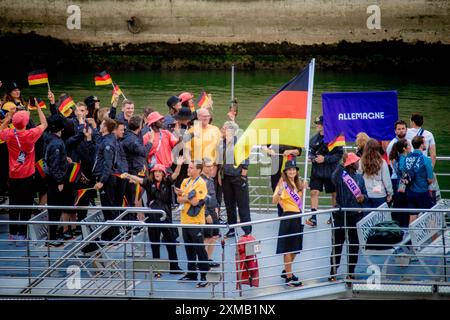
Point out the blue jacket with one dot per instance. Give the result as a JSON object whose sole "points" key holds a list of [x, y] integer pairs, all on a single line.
{"points": [[344, 197], [55, 158], [75, 149], [317, 146], [105, 158], [121, 164], [135, 151], [120, 117], [423, 171]]}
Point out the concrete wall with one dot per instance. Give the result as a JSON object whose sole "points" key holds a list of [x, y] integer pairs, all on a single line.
{"points": [[220, 21]]}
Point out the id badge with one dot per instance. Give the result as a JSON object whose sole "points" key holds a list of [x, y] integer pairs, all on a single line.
{"points": [[21, 157]]}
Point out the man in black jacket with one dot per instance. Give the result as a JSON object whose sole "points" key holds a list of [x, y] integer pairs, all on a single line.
{"points": [[324, 163], [103, 172], [59, 192], [136, 153]]}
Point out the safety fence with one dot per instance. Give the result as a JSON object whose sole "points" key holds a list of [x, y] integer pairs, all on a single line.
{"points": [[260, 190], [417, 262]]}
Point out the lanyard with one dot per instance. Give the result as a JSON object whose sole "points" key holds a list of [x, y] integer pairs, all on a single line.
{"points": [[159, 142], [17, 139], [189, 181]]}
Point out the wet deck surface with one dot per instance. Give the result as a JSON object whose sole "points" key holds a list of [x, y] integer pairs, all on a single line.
{"points": [[312, 267]]}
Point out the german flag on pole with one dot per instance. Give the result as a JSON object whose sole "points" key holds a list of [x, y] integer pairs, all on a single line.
{"points": [[65, 105], [203, 100], [116, 91], [283, 118], [37, 77], [40, 103], [338, 142], [102, 79]]}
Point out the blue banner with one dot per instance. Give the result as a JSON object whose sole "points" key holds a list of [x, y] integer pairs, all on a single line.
{"points": [[352, 112]]}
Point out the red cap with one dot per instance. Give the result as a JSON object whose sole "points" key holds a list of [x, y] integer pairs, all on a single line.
{"points": [[20, 119], [158, 167], [351, 158], [185, 96], [153, 117]]}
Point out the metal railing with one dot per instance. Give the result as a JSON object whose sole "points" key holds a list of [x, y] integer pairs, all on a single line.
{"points": [[125, 267], [260, 190]]}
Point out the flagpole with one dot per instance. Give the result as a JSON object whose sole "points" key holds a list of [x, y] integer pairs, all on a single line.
{"points": [[308, 123], [232, 83], [48, 85], [112, 83]]}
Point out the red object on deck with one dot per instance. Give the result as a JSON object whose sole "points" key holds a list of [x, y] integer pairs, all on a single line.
{"points": [[246, 266]]}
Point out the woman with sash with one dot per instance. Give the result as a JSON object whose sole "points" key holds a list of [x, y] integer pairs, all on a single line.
{"points": [[288, 194], [350, 193]]}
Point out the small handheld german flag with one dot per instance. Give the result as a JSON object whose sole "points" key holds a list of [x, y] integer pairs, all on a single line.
{"points": [[116, 91], [37, 77], [338, 142], [203, 100], [65, 105], [40, 104], [139, 191], [40, 168], [80, 194], [102, 78], [75, 172]]}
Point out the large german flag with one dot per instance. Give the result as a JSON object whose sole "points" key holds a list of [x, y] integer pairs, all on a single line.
{"points": [[65, 105], [285, 111], [102, 79], [37, 77]]}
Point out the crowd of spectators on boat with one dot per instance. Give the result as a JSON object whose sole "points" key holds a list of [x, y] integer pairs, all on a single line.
{"points": [[182, 162]]}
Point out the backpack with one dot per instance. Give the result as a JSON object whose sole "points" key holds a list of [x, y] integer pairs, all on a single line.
{"points": [[388, 233]]}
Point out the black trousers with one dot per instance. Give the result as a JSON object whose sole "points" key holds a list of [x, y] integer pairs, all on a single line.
{"points": [[4, 168], [108, 199], [235, 193], [339, 239], [168, 236], [195, 236], [21, 192]]}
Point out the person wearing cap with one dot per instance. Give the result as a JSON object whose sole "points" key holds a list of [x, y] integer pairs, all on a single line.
{"points": [[324, 163], [136, 153], [60, 193], [288, 194], [174, 104], [279, 154], [14, 94], [163, 141], [158, 187], [192, 195], [93, 106], [350, 193], [186, 99], [234, 180], [21, 151], [103, 173]]}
